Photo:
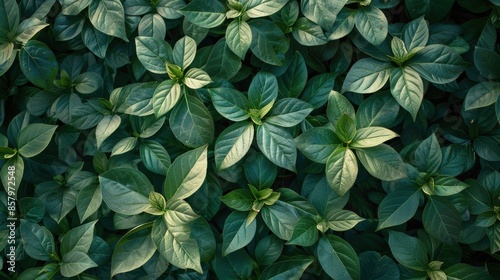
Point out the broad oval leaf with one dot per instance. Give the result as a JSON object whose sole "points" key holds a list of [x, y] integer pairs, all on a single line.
{"points": [[415, 34], [153, 53], [428, 155], [341, 170], [281, 219], [184, 52], [191, 122], [38, 64], [263, 8], [108, 17], [308, 33], [398, 207], [337, 258], [437, 64], [305, 232], [382, 162], [230, 103], [165, 97], [291, 269], [186, 174], [155, 157], [125, 190], [75, 262], [239, 37], [371, 137], [367, 76], [263, 90], [207, 14], [288, 112], [408, 89], [38, 241], [106, 127], [236, 233], [482, 95], [408, 251], [78, 239], [277, 145], [442, 220], [196, 78], [268, 41], [322, 12], [233, 144], [317, 144], [372, 24], [34, 138]]}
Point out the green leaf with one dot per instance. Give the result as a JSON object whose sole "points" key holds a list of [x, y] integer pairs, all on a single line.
{"points": [[88, 201], [78, 239], [341, 170], [317, 89], [9, 16], [31, 208], [428, 155], [153, 53], [337, 258], [196, 78], [88, 82], [342, 220], [304, 233], [125, 190], [175, 245], [165, 97], [487, 148], [230, 103], [442, 220], [437, 64], [17, 163], [59, 203], [259, 171], [191, 122], [462, 271], [291, 269], [74, 7], [237, 265], [179, 213], [236, 233], [34, 138], [344, 24], [317, 143], [222, 63], [367, 75], [415, 34], [108, 17], [106, 127], [338, 105], [482, 95], [38, 241], [382, 162], [277, 145], [433, 10], [6, 53], [292, 82], [155, 157], [207, 14], [184, 52], [322, 12], [96, 41], [447, 185], [408, 89], [398, 207], [263, 90], [29, 28], [268, 250], [345, 128], [308, 33], [377, 267], [233, 144], [371, 23], [280, 218], [239, 199], [288, 112], [239, 37], [408, 251], [263, 8], [186, 174], [268, 41], [38, 64], [74, 263], [152, 25], [493, 233], [169, 9], [133, 250], [487, 62], [456, 159], [124, 145], [371, 136]]}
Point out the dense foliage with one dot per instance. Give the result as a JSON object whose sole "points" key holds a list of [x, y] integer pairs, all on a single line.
{"points": [[250, 139]]}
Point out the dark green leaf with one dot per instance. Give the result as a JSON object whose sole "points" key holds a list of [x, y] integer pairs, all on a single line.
{"points": [[292, 82], [317, 143], [428, 155], [338, 105], [240, 200], [288, 112], [281, 219], [442, 220], [415, 34], [433, 10], [408, 251], [237, 234], [291, 269], [34, 138], [371, 23], [230, 103], [38, 64], [207, 14], [437, 64], [155, 157], [398, 207], [263, 90], [191, 122], [38, 241], [482, 95], [408, 89], [461, 271], [277, 145], [382, 162], [78, 239], [487, 62], [377, 267], [108, 17], [233, 144], [337, 258], [74, 263], [268, 41], [305, 232], [367, 75], [268, 250], [153, 53], [260, 172]]}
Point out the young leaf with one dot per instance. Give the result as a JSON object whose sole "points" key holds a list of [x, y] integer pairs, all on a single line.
{"points": [[153, 53], [367, 75], [277, 145], [191, 122], [345, 128], [337, 258], [408, 89], [125, 190], [291, 269], [371, 137], [207, 14], [398, 207], [341, 170], [186, 174], [38, 64], [75, 262], [233, 144], [239, 37], [237, 234], [408, 251], [34, 138], [288, 112], [230, 103], [382, 162], [108, 17], [338, 105], [371, 23]]}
